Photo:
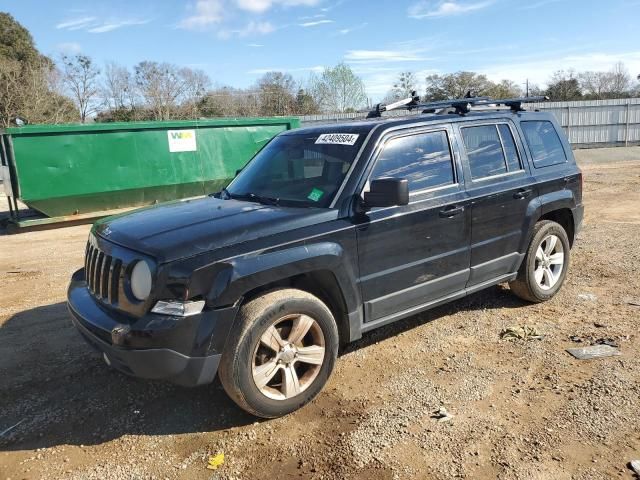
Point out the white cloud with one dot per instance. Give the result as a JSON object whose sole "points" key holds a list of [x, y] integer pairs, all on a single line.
{"points": [[315, 23], [262, 71], [345, 31], [255, 45], [250, 29], [369, 56], [76, 23], [311, 17], [95, 25], [204, 13], [260, 6], [70, 48], [539, 4], [430, 9], [116, 24]]}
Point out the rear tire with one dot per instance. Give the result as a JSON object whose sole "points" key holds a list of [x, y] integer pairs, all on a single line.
{"points": [[280, 352], [545, 264]]}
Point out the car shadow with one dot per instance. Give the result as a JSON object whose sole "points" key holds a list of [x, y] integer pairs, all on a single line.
{"points": [[56, 390]]}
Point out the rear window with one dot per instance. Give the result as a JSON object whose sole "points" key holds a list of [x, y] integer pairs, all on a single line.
{"points": [[544, 144]]}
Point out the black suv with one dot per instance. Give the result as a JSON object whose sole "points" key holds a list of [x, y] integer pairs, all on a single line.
{"points": [[329, 232]]}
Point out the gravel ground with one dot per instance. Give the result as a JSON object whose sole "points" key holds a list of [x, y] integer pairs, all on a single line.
{"points": [[520, 409]]}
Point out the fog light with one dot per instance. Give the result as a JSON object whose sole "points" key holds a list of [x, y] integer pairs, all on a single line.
{"points": [[178, 308]]}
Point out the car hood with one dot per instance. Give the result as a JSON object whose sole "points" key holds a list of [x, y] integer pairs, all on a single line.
{"points": [[181, 229]]}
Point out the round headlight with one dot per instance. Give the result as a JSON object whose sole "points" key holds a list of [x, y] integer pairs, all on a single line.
{"points": [[141, 280]]}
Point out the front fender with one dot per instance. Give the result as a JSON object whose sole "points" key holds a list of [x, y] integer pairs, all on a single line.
{"points": [[244, 274]]}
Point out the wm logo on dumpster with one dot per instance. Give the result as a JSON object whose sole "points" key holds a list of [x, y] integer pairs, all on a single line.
{"points": [[181, 135], [182, 140]]}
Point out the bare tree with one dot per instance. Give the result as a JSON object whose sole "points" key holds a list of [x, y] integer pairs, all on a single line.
{"points": [[160, 85], [118, 89], [405, 84], [196, 84], [169, 91], [616, 83], [620, 81], [277, 92], [338, 89], [80, 76]]}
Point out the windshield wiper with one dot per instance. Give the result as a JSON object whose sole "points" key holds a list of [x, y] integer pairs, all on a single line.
{"points": [[223, 194], [252, 197]]}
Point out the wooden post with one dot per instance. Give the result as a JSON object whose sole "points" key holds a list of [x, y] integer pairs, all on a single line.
{"points": [[626, 130]]}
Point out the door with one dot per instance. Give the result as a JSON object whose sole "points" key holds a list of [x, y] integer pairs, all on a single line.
{"points": [[413, 255], [500, 188]]}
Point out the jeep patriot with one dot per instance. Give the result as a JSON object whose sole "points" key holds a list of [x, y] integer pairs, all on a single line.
{"points": [[327, 233]]}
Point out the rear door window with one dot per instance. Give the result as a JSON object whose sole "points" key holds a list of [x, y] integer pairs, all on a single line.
{"points": [[510, 150], [491, 150], [424, 159], [484, 151], [544, 143]]}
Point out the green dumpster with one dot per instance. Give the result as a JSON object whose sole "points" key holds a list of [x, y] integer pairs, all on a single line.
{"points": [[68, 172]]}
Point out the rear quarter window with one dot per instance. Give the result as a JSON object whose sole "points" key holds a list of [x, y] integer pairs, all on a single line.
{"points": [[544, 143]]}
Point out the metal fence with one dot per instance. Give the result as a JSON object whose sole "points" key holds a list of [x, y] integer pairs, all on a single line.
{"points": [[590, 123]]}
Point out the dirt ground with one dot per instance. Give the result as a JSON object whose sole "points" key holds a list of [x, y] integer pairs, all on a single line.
{"points": [[522, 409]]}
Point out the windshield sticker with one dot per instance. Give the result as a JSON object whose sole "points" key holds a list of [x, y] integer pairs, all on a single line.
{"points": [[315, 195], [338, 138]]}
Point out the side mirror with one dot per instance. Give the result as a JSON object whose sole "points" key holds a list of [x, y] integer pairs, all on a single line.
{"points": [[387, 192]]}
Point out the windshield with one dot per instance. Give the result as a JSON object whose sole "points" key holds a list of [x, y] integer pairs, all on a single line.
{"points": [[297, 169]]}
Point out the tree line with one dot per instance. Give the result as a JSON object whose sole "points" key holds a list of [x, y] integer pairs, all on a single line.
{"points": [[562, 86], [74, 88]]}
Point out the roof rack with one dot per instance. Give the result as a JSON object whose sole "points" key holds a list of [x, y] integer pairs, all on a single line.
{"points": [[462, 106]]}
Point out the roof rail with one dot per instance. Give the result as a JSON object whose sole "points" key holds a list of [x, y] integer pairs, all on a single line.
{"points": [[461, 105]]}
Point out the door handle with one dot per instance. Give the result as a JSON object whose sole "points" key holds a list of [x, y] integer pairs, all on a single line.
{"points": [[522, 193], [451, 211]]}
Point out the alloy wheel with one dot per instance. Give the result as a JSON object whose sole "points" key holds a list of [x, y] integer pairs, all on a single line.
{"points": [[549, 262], [288, 357]]}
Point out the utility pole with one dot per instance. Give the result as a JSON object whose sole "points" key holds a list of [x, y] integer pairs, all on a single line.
{"points": [[527, 88]]}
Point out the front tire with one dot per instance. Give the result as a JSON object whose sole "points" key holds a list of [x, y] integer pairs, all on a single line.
{"points": [[280, 353], [545, 264]]}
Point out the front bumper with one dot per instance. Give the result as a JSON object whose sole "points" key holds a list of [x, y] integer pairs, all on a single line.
{"points": [[185, 351]]}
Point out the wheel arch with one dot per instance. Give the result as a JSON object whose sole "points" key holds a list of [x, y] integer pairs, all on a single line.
{"points": [[320, 269], [564, 217], [319, 283]]}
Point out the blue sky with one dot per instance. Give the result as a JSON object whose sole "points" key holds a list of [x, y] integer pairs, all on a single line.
{"points": [[235, 41]]}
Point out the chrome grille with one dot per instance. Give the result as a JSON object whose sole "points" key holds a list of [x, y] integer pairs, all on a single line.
{"points": [[102, 273]]}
